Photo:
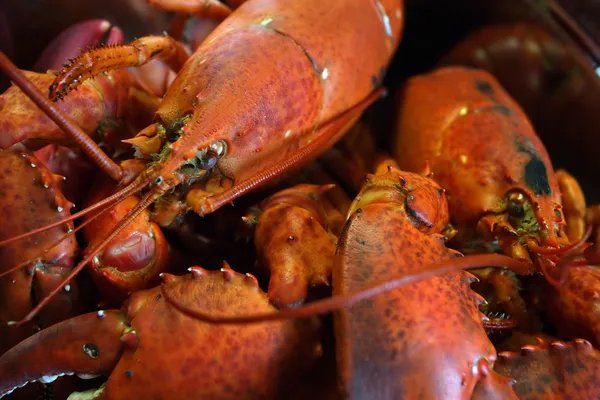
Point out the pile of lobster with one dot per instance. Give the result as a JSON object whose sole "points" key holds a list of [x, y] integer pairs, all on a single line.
{"points": [[212, 216]]}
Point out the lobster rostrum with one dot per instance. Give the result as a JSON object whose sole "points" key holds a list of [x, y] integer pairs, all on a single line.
{"points": [[149, 349], [229, 122]]}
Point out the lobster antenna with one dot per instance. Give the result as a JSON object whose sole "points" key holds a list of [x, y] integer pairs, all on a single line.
{"points": [[122, 224], [66, 235], [313, 148], [104, 162], [338, 302], [115, 198], [499, 324]]}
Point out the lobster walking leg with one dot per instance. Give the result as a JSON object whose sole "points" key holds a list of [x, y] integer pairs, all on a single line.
{"points": [[213, 9], [573, 205], [83, 140], [105, 59]]}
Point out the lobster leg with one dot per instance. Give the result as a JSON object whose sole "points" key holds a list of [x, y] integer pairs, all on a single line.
{"points": [[496, 226], [506, 290], [573, 205], [86, 345], [212, 9], [137, 53]]}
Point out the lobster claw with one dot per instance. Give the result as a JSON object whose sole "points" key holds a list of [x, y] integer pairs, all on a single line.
{"points": [[293, 242], [88, 345], [135, 257]]}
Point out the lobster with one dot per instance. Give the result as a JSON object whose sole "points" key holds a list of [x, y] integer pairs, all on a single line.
{"points": [[502, 190], [151, 350], [554, 80], [277, 123], [150, 251], [415, 209], [482, 149], [44, 184]]}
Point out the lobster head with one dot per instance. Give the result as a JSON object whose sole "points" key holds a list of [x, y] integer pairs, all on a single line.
{"points": [[484, 151]]}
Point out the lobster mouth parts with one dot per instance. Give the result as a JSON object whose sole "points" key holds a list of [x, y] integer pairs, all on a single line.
{"points": [[519, 230]]}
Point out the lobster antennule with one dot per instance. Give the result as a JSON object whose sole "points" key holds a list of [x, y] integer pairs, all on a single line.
{"points": [[338, 302], [115, 198], [104, 162], [131, 215]]}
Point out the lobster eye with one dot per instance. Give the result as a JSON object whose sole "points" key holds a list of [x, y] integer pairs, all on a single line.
{"points": [[516, 203], [158, 180], [208, 160], [219, 147]]}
